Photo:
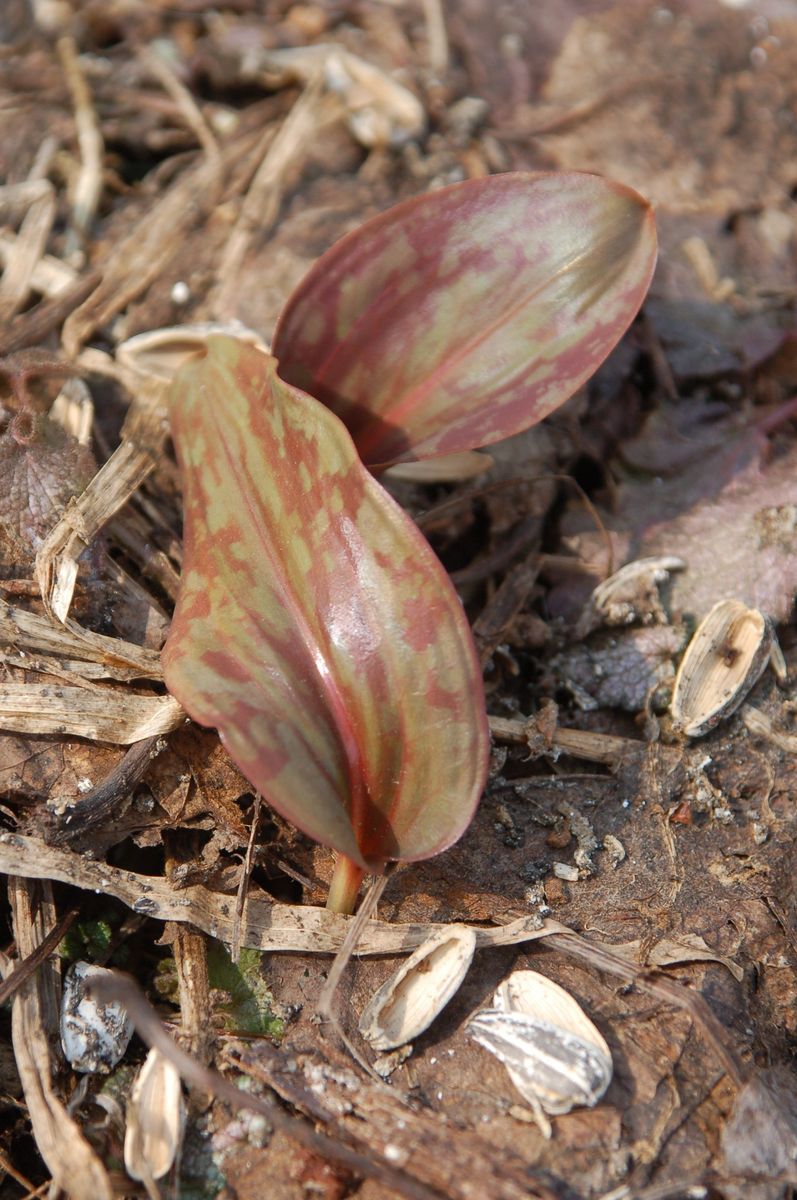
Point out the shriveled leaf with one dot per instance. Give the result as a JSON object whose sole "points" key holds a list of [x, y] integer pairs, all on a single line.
{"points": [[42, 467], [463, 316], [315, 627]]}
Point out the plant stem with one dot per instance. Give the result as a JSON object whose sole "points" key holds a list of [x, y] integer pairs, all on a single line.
{"points": [[345, 885]]}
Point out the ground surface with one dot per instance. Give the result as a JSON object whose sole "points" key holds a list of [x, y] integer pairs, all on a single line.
{"points": [[133, 200]]}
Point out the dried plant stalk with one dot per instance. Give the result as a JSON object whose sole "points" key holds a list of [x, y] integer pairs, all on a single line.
{"points": [[267, 926], [73, 1164]]}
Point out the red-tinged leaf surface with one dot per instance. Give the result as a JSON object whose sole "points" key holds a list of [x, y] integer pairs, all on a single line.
{"points": [[463, 316], [315, 627]]}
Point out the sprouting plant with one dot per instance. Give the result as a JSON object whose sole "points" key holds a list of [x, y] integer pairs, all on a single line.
{"points": [[315, 627]]}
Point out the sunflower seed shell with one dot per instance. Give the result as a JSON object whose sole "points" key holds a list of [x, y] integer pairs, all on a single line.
{"points": [[410, 1000], [725, 658], [555, 1056], [155, 1119]]}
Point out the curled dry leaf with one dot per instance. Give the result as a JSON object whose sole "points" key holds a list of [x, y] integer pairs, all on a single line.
{"points": [[315, 628], [726, 657], [407, 1003], [553, 1053], [159, 353], [155, 1119], [460, 317]]}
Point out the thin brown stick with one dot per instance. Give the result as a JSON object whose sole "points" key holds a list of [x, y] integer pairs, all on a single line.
{"points": [[243, 886], [185, 102], [579, 743], [324, 1008], [122, 988], [31, 328], [24, 969], [89, 182], [104, 799]]}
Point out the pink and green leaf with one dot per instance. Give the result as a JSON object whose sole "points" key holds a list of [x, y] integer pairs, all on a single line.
{"points": [[315, 628], [465, 315]]}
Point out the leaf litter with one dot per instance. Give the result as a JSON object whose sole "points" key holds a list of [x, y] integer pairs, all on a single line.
{"points": [[685, 446]]}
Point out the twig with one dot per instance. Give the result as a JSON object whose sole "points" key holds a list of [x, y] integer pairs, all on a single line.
{"points": [[88, 188], [121, 988], [24, 969], [243, 886], [157, 66], [104, 799], [342, 958], [579, 743], [31, 328]]}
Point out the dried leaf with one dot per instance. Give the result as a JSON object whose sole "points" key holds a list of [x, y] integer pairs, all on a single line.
{"points": [[463, 316], [104, 715], [268, 926], [42, 467], [315, 628]]}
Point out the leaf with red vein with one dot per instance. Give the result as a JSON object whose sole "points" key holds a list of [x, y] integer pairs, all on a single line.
{"points": [[468, 314], [315, 627]]}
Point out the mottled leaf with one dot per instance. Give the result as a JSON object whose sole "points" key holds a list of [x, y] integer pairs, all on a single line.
{"points": [[315, 627], [463, 316]]}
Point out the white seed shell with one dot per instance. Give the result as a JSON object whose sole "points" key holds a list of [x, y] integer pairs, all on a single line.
{"points": [[410, 1000], [725, 658], [554, 1055], [155, 1119], [94, 1036]]}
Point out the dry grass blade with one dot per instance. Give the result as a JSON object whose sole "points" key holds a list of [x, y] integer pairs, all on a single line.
{"points": [[268, 926], [88, 187], [262, 202], [91, 653], [157, 65], [34, 1020], [24, 254], [143, 435], [48, 276], [102, 715], [436, 35], [138, 259]]}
